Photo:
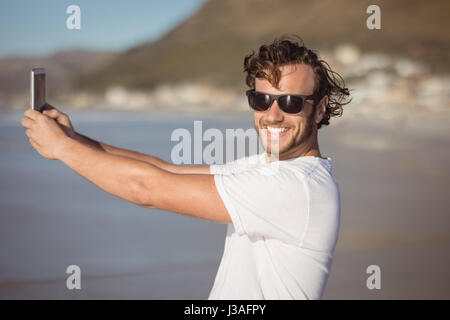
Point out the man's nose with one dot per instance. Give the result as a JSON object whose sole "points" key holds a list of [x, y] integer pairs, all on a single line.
{"points": [[274, 114]]}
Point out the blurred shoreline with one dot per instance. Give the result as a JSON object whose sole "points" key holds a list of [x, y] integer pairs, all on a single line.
{"points": [[427, 123]]}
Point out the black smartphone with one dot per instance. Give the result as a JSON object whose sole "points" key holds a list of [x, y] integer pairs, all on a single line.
{"points": [[37, 89]]}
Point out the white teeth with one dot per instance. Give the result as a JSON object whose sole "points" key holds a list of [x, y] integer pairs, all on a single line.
{"points": [[276, 130]]}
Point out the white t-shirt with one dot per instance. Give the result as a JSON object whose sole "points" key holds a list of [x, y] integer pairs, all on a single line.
{"points": [[285, 223]]}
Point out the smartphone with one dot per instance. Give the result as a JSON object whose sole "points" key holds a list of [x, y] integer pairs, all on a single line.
{"points": [[37, 89]]}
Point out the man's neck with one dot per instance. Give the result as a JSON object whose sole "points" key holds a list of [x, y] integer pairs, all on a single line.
{"points": [[311, 153], [311, 149]]}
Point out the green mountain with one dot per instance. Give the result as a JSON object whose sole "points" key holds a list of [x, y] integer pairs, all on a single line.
{"points": [[212, 43]]}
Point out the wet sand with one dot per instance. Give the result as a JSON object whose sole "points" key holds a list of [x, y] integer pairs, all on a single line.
{"points": [[394, 183]]}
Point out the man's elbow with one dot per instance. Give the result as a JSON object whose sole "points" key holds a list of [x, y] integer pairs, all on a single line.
{"points": [[141, 192], [143, 198]]}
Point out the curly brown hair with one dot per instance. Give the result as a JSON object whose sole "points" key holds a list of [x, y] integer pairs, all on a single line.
{"points": [[285, 51]]}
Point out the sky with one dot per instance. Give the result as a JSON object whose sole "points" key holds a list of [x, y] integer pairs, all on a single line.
{"points": [[38, 27]]}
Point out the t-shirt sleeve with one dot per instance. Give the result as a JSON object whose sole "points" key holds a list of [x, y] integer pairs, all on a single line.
{"points": [[266, 202]]}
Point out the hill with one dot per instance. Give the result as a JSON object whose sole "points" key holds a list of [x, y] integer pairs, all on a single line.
{"points": [[211, 44]]}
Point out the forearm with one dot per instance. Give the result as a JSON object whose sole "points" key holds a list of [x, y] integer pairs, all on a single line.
{"points": [[142, 157], [118, 175], [125, 153], [88, 141]]}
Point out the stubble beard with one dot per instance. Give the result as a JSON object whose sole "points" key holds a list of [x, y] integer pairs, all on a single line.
{"points": [[293, 143]]}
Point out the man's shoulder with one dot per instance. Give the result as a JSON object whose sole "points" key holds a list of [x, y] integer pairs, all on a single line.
{"points": [[311, 169], [295, 168]]}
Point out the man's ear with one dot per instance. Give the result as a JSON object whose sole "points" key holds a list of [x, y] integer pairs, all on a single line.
{"points": [[321, 109]]}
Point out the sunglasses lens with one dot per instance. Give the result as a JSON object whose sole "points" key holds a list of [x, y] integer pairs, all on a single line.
{"points": [[291, 104], [259, 101]]}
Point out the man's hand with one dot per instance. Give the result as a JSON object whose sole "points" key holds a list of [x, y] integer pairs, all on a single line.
{"points": [[45, 135], [61, 118]]}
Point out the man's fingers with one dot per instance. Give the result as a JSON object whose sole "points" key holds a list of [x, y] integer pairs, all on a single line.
{"points": [[32, 114], [58, 116], [33, 143], [27, 122], [53, 113]]}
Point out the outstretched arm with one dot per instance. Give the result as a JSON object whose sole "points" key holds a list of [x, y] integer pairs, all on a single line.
{"points": [[64, 121], [145, 184], [142, 157], [134, 180]]}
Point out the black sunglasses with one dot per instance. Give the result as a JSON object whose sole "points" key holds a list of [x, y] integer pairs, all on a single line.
{"points": [[289, 103]]}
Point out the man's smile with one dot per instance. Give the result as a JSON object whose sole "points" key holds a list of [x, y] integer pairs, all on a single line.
{"points": [[276, 131]]}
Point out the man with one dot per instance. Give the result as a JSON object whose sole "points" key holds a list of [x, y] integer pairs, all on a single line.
{"points": [[282, 212]]}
